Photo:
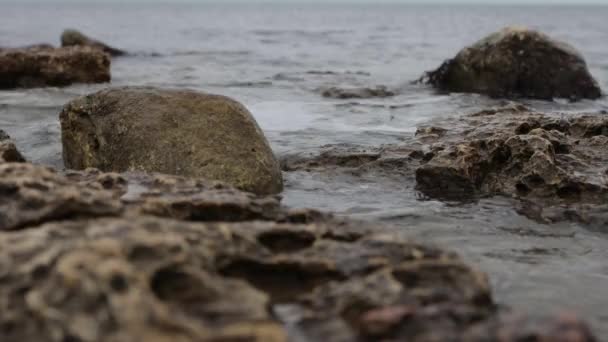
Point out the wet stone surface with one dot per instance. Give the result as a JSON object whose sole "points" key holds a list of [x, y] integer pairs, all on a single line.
{"points": [[93, 256], [555, 164]]}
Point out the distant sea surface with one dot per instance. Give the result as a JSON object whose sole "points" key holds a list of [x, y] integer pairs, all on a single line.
{"points": [[274, 58]]}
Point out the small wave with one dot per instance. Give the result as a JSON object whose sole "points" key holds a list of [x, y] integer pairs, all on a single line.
{"points": [[299, 33], [209, 53], [252, 84], [329, 73], [374, 105]]}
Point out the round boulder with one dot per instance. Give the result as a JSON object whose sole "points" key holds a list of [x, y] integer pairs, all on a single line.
{"points": [[179, 132], [517, 62]]}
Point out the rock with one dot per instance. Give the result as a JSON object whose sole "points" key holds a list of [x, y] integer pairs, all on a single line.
{"points": [[555, 162], [86, 261], [43, 66], [72, 37], [357, 93], [518, 328], [9, 153], [32, 194], [40, 46], [179, 132], [162, 280], [8, 150], [517, 62], [183, 198]]}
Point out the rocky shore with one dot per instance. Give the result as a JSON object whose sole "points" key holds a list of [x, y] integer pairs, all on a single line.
{"points": [[167, 223], [133, 256]]}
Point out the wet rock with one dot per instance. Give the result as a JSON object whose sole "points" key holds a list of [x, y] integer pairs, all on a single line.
{"points": [[30, 195], [557, 161], [179, 132], [517, 328], [532, 156], [330, 157], [184, 198], [9, 153], [357, 93], [129, 280], [93, 256], [163, 280], [517, 62], [8, 150], [29, 47], [72, 37], [44, 66]]}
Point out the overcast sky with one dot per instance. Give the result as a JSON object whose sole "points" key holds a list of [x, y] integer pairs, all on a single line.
{"points": [[551, 2]]}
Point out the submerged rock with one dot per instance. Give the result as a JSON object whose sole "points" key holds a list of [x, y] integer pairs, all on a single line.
{"points": [[357, 93], [72, 37], [179, 132], [42, 66], [517, 62]]}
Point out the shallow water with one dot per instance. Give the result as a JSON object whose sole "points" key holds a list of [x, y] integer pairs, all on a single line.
{"points": [[274, 58]]}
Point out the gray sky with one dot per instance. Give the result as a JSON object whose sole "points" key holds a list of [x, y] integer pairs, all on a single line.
{"points": [[548, 2]]}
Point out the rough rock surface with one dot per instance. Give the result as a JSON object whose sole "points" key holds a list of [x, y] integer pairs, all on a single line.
{"points": [[556, 164], [30, 195], [71, 37], [42, 66], [357, 93], [178, 132], [517, 62], [92, 256], [8, 150], [557, 160]]}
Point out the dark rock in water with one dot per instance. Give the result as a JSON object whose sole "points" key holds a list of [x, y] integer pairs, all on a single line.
{"points": [[357, 93], [85, 261], [4, 136], [8, 150], [517, 62], [72, 37], [337, 157], [9, 153], [179, 132], [555, 165], [521, 153], [43, 66]]}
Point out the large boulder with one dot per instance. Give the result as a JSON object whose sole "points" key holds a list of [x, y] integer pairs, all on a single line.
{"points": [[178, 132], [517, 62], [40, 66], [72, 37]]}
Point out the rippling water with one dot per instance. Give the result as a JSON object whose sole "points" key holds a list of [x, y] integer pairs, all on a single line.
{"points": [[274, 58]]}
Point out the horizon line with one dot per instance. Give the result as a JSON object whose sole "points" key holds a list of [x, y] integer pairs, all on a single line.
{"points": [[317, 2]]}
